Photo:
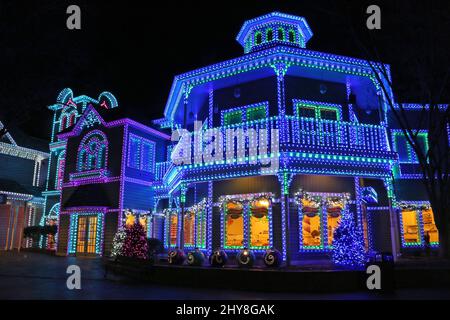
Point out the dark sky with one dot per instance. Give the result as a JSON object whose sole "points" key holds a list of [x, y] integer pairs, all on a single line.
{"points": [[135, 48]]}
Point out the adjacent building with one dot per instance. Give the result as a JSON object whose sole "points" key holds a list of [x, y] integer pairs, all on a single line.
{"points": [[23, 167]]}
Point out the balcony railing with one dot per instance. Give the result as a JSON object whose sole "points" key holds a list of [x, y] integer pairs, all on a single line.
{"points": [[307, 135], [318, 134]]}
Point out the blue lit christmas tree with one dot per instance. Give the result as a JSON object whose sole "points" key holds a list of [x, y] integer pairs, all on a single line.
{"points": [[348, 244]]}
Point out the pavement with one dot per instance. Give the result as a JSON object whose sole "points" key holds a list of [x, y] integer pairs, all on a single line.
{"points": [[27, 275]]}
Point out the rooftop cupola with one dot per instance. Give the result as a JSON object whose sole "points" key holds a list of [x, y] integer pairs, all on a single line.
{"points": [[272, 30]]}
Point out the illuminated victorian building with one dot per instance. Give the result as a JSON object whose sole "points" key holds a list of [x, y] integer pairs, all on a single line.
{"points": [[318, 144]]}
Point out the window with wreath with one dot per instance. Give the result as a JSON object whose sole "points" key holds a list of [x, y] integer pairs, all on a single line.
{"points": [[415, 233], [259, 223], [234, 224], [319, 217], [247, 222], [92, 151]]}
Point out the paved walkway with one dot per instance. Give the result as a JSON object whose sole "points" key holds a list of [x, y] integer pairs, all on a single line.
{"points": [[39, 276]]}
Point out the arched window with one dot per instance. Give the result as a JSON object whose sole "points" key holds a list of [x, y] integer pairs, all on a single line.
{"points": [[71, 120], [67, 119], [281, 34], [92, 152], [60, 170], [63, 122], [269, 35], [291, 35], [258, 38]]}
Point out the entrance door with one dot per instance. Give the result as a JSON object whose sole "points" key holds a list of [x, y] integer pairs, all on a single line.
{"points": [[87, 234]]}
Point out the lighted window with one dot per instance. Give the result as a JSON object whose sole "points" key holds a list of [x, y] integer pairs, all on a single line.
{"points": [[92, 152], [258, 38], [411, 233], [259, 223], [87, 234], [232, 117], [130, 219], [429, 226], [234, 224], [291, 36], [256, 113], [311, 223], [334, 213], [173, 229], [269, 35], [141, 153], [189, 229], [281, 34]]}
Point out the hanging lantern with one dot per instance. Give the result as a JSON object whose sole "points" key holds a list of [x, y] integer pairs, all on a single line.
{"points": [[218, 258], [272, 258], [176, 256], [195, 258], [245, 258]]}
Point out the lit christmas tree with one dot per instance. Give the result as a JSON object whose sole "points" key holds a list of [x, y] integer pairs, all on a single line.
{"points": [[348, 244], [135, 244], [118, 241]]}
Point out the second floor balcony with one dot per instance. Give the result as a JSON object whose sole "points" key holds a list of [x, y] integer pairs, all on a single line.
{"points": [[302, 141]]}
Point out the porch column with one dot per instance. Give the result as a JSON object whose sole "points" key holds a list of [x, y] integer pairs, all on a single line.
{"points": [[393, 215], [183, 190], [285, 180]]}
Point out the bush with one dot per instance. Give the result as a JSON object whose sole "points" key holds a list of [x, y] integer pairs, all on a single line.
{"points": [[155, 246], [32, 232], [49, 230]]}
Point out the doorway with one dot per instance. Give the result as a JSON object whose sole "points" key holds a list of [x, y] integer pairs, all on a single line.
{"points": [[87, 235]]}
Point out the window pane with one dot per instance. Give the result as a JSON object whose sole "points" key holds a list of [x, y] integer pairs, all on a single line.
{"points": [[234, 225], [328, 114], [259, 223], [402, 147], [429, 226], [410, 227], [333, 219], [173, 226], [306, 112], [311, 225], [256, 113], [189, 220], [232, 117]]}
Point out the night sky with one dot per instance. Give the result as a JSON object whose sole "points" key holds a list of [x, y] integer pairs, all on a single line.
{"points": [[135, 48]]}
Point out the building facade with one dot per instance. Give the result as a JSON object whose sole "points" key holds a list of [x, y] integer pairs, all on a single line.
{"points": [[23, 164], [278, 145]]}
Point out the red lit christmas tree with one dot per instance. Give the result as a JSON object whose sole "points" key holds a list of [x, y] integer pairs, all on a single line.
{"points": [[135, 244]]}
